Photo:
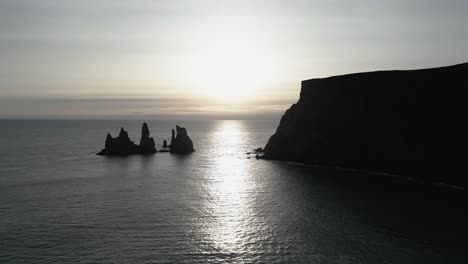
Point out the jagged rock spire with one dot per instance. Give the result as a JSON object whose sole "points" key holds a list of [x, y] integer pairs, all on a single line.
{"points": [[181, 143], [147, 145], [122, 145]]}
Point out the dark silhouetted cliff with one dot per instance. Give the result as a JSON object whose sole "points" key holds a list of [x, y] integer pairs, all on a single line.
{"points": [[403, 122]]}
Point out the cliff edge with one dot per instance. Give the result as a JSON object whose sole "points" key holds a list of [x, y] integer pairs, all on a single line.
{"points": [[402, 122]]}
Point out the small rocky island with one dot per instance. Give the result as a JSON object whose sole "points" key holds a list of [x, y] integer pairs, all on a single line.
{"points": [[122, 145], [181, 143]]}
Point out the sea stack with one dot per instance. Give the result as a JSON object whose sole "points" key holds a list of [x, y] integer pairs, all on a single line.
{"points": [[119, 146], [181, 143], [122, 145], [400, 122], [147, 145]]}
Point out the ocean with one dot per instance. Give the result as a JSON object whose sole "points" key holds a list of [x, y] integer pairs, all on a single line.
{"points": [[60, 203]]}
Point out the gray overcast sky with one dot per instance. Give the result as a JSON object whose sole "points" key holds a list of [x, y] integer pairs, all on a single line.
{"points": [[93, 59]]}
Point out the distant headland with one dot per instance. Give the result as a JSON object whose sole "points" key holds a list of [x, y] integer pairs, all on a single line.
{"points": [[403, 122]]}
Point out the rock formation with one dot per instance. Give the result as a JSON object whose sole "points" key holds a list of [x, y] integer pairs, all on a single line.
{"points": [[401, 122], [165, 144], [181, 143], [147, 145], [122, 145]]}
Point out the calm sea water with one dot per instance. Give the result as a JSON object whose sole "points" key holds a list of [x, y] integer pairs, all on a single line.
{"points": [[60, 203]]}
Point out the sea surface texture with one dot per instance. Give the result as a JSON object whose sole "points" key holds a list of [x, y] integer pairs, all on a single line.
{"points": [[60, 203]]}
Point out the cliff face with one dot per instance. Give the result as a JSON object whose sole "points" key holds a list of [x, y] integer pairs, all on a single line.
{"points": [[404, 122]]}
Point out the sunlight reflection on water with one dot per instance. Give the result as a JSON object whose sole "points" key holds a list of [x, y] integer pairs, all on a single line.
{"points": [[231, 199]]}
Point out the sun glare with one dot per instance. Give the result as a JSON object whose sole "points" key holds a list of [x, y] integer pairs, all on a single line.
{"points": [[231, 70], [230, 77]]}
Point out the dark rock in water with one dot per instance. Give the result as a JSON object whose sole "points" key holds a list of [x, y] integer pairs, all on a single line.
{"points": [[401, 122], [122, 145], [258, 150], [181, 143], [165, 144], [147, 145], [255, 151], [173, 133]]}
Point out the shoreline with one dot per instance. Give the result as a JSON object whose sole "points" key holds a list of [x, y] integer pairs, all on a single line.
{"points": [[385, 174]]}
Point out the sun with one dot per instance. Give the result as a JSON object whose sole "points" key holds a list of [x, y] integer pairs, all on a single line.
{"points": [[230, 72], [228, 76]]}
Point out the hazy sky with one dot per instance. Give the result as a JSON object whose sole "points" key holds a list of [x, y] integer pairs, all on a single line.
{"points": [[226, 59]]}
